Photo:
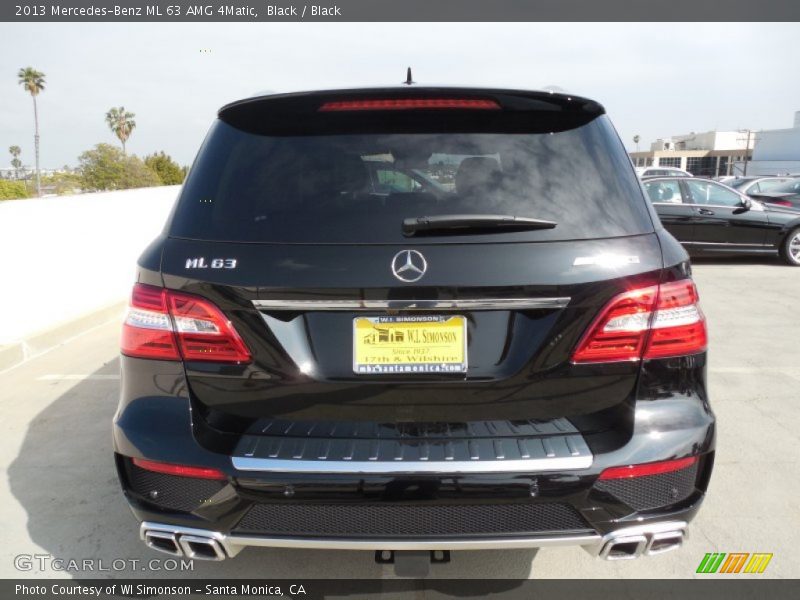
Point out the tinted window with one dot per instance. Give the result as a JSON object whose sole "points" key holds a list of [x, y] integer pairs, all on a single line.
{"points": [[708, 192], [359, 188], [737, 183], [790, 187], [768, 185], [663, 191]]}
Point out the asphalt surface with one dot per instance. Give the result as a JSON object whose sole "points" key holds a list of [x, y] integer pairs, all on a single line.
{"points": [[60, 497]]}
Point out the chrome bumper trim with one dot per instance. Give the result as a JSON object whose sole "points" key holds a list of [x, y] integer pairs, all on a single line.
{"points": [[534, 465], [593, 543], [390, 544], [452, 304], [233, 543]]}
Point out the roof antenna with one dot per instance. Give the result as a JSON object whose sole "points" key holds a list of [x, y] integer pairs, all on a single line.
{"points": [[408, 80]]}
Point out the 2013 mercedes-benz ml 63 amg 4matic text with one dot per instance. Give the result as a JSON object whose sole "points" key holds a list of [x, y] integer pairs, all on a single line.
{"points": [[414, 319]]}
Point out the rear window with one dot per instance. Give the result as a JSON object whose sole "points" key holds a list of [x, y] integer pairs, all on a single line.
{"points": [[788, 187], [737, 183], [359, 188]]}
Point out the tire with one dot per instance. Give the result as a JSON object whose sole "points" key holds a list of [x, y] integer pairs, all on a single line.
{"points": [[790, 248]]}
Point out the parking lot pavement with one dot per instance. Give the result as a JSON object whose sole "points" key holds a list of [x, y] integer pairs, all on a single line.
{"points": [[60, 495]]}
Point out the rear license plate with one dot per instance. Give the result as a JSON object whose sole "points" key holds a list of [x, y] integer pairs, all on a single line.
{"points": [[410, 344]]}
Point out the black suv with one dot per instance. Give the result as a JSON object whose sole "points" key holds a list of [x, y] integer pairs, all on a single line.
{"points": [[414, 319]]}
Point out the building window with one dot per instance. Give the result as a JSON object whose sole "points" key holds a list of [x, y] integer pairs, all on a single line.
{"points": [[649, 161], [723, 166], [702, 166], [671, 161]]}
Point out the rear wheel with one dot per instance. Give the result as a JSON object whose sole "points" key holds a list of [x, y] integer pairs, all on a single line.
{"points": [[790, 250]]}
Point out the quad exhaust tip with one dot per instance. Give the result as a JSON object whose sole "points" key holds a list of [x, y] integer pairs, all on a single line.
{"points": [[627, 544], [191, 546], [163, 542], [202, 548]]}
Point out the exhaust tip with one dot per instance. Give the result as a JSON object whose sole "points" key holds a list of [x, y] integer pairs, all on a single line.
{"points": [[664, 542], [163, 542], [201, 548], [624, 548]]}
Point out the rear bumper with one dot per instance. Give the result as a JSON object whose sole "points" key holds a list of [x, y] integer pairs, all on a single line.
{"points": [[384, 510], [394, 512], [648, 539]]}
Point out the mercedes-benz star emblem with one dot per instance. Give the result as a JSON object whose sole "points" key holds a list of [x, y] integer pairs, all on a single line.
{"points": [[409, 266]]}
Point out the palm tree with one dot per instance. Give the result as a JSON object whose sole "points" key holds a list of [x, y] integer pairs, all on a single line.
{"points": [[15, 151], [33, 83], [121, 123], [636, 139]]}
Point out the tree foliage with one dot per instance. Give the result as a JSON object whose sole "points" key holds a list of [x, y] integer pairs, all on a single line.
{"points": [[9, 190], [15, 151], [64, 183], [32, 80], [107, 168], [168, 171], [121, 122]]}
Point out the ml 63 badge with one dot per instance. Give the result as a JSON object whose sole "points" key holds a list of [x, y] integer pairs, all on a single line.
{"points": [[410, 344]]}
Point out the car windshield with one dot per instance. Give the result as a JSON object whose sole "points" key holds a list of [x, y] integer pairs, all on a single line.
{"points": [[359, 188]]}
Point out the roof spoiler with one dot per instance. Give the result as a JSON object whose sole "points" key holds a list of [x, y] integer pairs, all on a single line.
{"points": [[410, 109]]}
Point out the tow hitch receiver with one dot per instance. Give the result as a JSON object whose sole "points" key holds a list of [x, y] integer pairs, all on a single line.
{"points": [[411, 563]]}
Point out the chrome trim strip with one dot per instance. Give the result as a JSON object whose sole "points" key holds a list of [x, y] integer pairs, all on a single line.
{"points": [[727, 244], [392, 544], [270, 465], [451, 304], [234, 543]]}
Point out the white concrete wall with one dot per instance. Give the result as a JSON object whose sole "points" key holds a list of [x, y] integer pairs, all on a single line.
{"points": [[706, 140], [778, 144], [64, 257], [768, 167]]}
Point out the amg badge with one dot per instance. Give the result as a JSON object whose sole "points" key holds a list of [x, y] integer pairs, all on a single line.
{"points": [[214, 263]]}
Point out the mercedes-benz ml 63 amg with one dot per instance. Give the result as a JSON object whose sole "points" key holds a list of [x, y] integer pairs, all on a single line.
{"points": [[414, 319]]}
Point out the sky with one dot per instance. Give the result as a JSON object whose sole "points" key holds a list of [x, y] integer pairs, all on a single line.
{"points": [[655, 79]]}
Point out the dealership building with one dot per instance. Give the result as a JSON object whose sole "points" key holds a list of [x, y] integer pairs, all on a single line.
{"points": [[708, 154], [717, 153]]}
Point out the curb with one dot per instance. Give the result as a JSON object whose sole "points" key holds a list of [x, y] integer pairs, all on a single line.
{"points": [[42, 341]]}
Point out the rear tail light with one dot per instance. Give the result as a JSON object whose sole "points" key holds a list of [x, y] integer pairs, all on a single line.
{"points": [[679, 327], [179, 470], [781, 202], [653, 322], [410, 104], [168, 325], [645, 469], [147, 331]]}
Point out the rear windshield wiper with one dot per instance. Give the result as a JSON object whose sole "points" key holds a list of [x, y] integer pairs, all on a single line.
{"points": [[469, 224]]}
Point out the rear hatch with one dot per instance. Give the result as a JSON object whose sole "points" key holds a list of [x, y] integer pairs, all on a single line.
{"points": [[416, 257]]}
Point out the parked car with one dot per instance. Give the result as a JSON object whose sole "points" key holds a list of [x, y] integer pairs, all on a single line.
{"points": [[708, 217], [755, 185], [309, 363], [386, 178], [661, 171], [787, 194]]}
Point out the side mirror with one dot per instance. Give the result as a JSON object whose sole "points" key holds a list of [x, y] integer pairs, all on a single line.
{"points": [[745, 205]]}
